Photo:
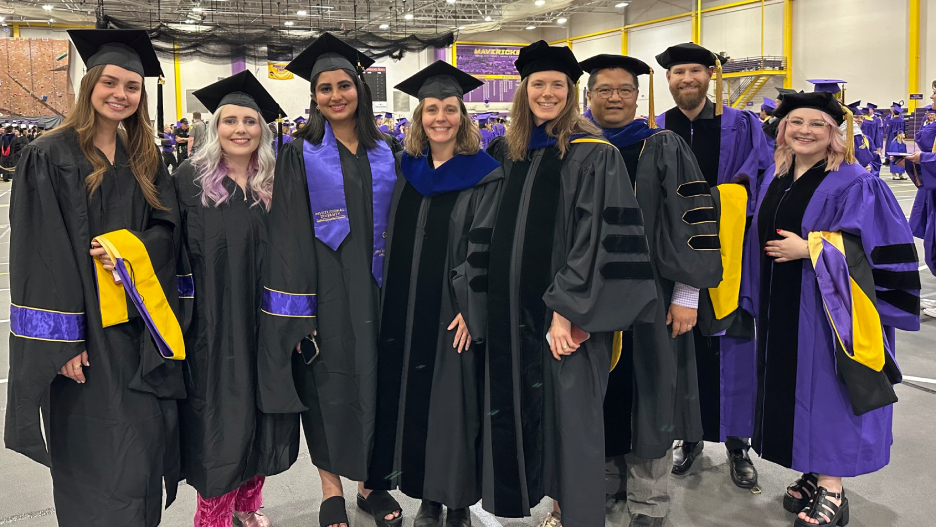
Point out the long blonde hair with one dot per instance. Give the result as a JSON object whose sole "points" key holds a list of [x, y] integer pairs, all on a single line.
{"points": [[568, 123], [135, 131], [835, 152], [467, 139]]}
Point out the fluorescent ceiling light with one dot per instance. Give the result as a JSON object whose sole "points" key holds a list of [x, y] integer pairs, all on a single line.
{"points": [[539, 2], [461, 27], [302, 13], [621, 4], [288, 22], [531, 27], [47, 7], [384, 26], [562, 20], [487, 19], [408, 16], [450, 1], [196, 10]]}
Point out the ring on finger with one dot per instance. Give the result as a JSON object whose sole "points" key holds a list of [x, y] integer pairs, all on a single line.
{"points": [[76, 367]]}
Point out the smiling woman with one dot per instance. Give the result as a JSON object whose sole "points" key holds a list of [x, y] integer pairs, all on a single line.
{"points": [[111, 394]]}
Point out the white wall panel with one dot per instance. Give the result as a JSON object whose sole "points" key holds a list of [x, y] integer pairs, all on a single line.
{"points": [[646, 43]]}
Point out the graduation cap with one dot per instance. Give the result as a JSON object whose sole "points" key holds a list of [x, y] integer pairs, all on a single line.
{"points": [[871, 106], [388, 116], [328, 53], [439, 80], [827, 85], [540, 56], [242, 89], [129, 49], [689, 53], [825, 102], [897, 107], [769, 104], [686, 53], [635, 66]]}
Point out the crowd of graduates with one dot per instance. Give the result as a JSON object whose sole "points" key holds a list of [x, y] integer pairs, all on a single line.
{"points": [[453, 308]]}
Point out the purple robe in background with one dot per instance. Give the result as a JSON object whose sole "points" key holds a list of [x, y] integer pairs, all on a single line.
{"points": [[894, 146], [743, 157], [865, 155], [771, 142], [873, 129], [892, 126], [923, 214], [814, 428], [499, 129], [486, 137]]}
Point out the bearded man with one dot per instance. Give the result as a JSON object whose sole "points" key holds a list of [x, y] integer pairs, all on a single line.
{"points": [[731, 151]]}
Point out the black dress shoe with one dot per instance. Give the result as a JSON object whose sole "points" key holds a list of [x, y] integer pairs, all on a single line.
{"points": [[743, 473], [642, 520], [429, 515], [458, 518], [684, 455]]}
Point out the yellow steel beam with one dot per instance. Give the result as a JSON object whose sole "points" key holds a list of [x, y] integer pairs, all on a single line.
{"points": [[658, 20], [623, 42], [460, 42], [913, 72], [757, 73], [16, 32], [697, 23], [788, 42], [178, 80], [729, 6]]}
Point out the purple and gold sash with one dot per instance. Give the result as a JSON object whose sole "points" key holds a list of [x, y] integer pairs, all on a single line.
{"points": [[327, 196]]}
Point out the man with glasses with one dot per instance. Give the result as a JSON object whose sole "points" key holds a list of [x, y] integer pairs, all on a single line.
{"points": [[732, 153], [645, 405]]}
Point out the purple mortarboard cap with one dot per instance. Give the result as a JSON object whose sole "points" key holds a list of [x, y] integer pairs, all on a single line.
{"points": [[829, 85], [769, 104]]}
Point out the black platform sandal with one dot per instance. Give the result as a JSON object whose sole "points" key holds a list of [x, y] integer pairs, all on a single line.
{"points": [[806, 485], [333, 512], [379, 503], [822, 509]]}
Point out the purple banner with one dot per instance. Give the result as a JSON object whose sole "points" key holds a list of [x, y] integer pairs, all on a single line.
{"points": [[492, 64]]}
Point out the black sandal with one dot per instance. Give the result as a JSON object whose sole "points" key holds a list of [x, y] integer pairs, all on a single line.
{"points": [[333, 512], [822, 509], [806, 485], [379, 503]]}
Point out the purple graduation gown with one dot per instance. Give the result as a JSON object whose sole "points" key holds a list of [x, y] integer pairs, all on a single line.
{"points": [[894, 146], [923, 214], [823, 434], [873, 129], [743, 157]]}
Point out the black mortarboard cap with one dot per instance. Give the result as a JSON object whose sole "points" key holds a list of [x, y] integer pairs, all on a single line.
{"points": [[328, 53], [818, 100], [129, 49], [242, 89], [605, 61], [540, 56], [687, 53], [440, 80]]}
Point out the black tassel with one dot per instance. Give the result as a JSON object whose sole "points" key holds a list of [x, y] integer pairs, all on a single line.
{"points": [[160, 117]]}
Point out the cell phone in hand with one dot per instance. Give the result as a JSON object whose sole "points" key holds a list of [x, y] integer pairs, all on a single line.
{"points": [[309, 349]]}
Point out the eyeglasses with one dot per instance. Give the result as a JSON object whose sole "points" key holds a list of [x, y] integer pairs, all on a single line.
{"points": [[606, 93], [813, 126]]}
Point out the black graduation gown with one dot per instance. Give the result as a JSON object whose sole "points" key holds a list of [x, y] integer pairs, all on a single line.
{"points": [[112, 439], [649, 392], [544, 428], [336, 393], [429, 398], [226, 441]]}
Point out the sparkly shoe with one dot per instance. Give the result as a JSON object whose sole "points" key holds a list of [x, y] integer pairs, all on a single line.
{"points": [[251, 519], [553, 519]]}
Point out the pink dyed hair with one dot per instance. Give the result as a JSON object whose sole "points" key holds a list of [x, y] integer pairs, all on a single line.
{"points": [[835, 152]]}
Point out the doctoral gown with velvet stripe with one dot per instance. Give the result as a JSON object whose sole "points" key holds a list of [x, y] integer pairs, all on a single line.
{"points": [[112, 440], [730, 148], [805, 419], [226, 440], [430, 397], [336, 393], [649, 391], [568, 238]]}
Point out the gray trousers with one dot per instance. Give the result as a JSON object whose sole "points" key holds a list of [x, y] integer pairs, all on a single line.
{"points": [[646, 482]]}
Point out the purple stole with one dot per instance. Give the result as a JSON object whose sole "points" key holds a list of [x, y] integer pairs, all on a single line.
{"points": [[327, 197]]}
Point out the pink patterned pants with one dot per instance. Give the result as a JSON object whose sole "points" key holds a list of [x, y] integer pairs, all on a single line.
{"points": [[218, 512]]}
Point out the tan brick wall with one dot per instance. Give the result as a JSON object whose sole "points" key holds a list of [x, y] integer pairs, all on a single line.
{"points": [[28, 71]]}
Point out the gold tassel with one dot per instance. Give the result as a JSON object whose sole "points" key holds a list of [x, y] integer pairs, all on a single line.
{"points": [[719, 102], [849, 135], [652, 117]]}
